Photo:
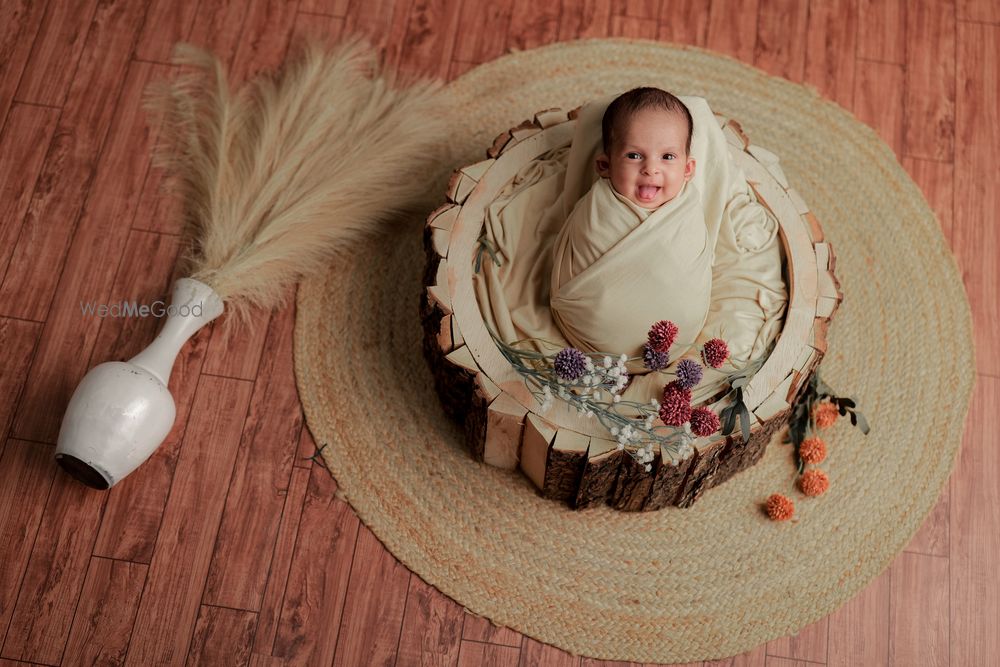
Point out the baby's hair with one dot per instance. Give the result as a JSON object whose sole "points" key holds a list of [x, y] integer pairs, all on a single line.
{"points": [[628, 104]]}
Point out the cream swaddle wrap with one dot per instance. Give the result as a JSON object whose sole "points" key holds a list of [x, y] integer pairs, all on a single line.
{"points": [[524, 221], [618, 267]]}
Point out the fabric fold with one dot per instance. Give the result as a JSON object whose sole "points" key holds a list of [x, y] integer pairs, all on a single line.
{"points": [[618, 267]]}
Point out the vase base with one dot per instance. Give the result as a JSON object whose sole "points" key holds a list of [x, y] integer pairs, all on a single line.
{"points": [[83, 472]]}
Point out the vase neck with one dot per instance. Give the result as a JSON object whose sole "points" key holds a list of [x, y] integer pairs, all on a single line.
{"points": [[193, 304]]}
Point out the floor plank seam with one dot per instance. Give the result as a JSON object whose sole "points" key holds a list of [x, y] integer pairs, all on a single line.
{"points": [[40, 105], [274, 548], [22, 319], [343, 603], [218, 527], [879, 61], [119, 560], [785, 657], [299, 12], [99, 154], [83, 582], [402, 619], [20, 586], [166, 502], [20, 78], [995, 24]]}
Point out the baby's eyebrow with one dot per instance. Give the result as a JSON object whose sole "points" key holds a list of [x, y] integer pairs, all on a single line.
{"points": [[668, 149]]}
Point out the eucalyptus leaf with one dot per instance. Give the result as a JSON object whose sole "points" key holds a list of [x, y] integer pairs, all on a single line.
{"points": [[745, 423], [862, 423], [730, 420]]}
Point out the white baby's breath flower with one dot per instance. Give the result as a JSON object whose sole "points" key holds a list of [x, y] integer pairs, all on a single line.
{"points": [[597, 395], [607, 362], [620, 446], [648, 467], [614, 430], [623, 358], [587, 379], [617, 398], [588, 364]]}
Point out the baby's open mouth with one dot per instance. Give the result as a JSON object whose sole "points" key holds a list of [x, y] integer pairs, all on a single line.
{"points": [[648, 192]]}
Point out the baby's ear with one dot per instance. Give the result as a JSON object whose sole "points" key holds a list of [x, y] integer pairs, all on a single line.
{"points": [[603, 165], [689, 169]]}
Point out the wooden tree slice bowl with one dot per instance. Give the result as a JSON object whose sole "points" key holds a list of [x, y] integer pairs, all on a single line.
{"points": [[567, 456]]}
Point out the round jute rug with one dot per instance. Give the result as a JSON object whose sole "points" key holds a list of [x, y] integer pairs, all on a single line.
{"points": [[674, 585]]}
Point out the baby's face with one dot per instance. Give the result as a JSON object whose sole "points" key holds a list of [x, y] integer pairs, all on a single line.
{"points": [[648, 163]]}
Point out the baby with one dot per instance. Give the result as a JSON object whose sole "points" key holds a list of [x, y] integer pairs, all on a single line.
{"points": [[635, 249], [646, 135]]}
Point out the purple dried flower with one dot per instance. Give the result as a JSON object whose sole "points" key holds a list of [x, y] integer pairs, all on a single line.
{"points": [[652, 359], [570, 363], [689, 373]]}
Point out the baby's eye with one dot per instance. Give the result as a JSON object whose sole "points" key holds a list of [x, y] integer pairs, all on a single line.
{"points": [[633, 155], [669, 156]]}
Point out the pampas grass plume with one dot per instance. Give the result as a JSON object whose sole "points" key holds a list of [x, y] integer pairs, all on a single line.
{"points": [[284, 173]]}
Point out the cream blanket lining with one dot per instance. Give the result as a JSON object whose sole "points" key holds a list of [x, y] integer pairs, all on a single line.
{"points": [[748, 294]]}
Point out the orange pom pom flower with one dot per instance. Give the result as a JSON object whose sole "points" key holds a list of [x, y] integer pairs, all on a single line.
{"points": [[779, 508], [825, 414], [814, 483], [812, 450]]}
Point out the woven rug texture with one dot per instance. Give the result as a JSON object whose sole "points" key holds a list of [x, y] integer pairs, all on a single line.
{"points": [[674, 585]]}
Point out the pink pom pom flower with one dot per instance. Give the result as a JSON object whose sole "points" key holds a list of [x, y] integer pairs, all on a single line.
{"points": [[715, 352], [704, 422], [675, 409], [662, 335]]}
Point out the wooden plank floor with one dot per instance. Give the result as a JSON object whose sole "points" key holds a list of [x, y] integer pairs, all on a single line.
{"points": [[229, 546]]}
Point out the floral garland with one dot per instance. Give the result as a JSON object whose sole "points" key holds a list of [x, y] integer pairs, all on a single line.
{"points": [[582, 380], [592, 384]]}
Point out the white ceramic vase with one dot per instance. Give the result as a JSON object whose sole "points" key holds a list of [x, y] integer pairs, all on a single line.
{"points": [[122, 411]]}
